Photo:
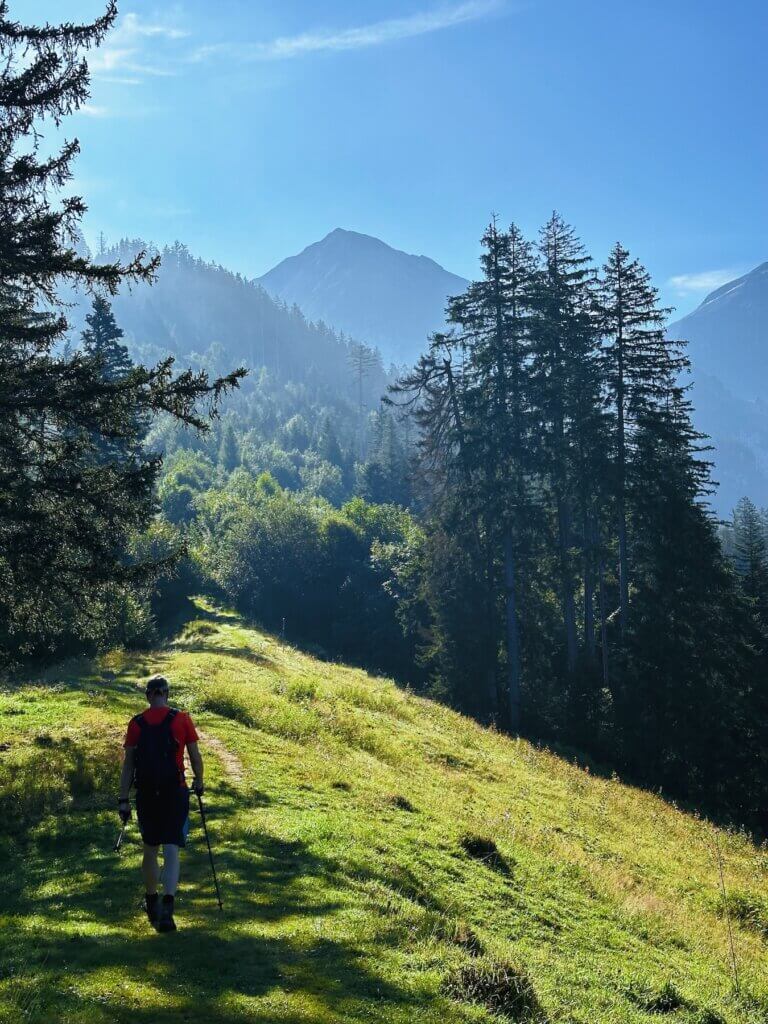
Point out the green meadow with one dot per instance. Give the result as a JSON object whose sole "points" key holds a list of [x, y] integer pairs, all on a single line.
{"points": [[381, 859]]}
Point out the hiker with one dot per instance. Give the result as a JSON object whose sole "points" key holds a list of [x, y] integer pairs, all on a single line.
{"points": [[154, 761]]}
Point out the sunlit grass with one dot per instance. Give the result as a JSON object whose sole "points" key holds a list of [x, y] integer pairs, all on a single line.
{"points": [[356, 856]]}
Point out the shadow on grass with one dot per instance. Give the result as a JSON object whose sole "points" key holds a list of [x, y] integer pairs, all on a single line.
{"points": [[194, 645], [68, 878]]}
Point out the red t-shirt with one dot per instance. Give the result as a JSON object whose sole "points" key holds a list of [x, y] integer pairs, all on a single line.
{"points": [[182, 730]]}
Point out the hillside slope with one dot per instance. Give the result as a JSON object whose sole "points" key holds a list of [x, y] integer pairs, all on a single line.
{"points": [[202, 312], [353, 824]]}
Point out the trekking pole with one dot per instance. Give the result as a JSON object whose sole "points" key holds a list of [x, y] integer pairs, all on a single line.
{"points": [[119, 840], [210, 851], [727, 910]]}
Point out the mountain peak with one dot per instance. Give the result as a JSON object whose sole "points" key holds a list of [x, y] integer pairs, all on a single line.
{"points": [[736, 311], [351, 239], [364, 287], [755, 279], [356, 240]]}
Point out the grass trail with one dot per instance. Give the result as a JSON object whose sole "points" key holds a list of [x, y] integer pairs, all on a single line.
{"points": [[381, 859]]}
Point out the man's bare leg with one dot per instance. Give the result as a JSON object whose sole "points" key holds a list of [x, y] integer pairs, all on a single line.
{"points": [[171, 868], [165, 921]]}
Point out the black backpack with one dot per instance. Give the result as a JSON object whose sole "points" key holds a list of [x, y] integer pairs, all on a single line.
{"points": [[156, 766]]}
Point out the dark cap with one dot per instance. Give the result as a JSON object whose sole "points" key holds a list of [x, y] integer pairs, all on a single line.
{"points": [[157, 684]]}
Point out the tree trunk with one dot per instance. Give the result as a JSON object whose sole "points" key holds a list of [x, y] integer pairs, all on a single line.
{"points": [[492, 627], [603, 621], [567, 598], [623, 567], [490, 697], [589, 589], [513, 634], [623, 556]]}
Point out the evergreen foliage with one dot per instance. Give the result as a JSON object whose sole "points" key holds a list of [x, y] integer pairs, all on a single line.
{"points": [[101, 341], [560, 470], [640, 370], [229, 451], [65, 513], [750, 555]]}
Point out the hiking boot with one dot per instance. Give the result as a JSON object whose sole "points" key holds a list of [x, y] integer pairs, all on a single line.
{"points": [[152, 907], [165, 922]]}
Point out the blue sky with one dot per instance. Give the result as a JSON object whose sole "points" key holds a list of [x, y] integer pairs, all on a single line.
{"points": [[250, 129]]}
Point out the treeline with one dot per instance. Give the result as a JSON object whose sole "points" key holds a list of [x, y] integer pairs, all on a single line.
{"points": [[307, 570], [571, 582], [307, 436], [309, 411], [208, 316], [285, 508]]}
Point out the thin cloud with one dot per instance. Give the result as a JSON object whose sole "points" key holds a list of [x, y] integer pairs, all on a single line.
{"points": [[93, 110], [119, 79], [132, 26], [136, 49], [706, 281], [358, 38]]}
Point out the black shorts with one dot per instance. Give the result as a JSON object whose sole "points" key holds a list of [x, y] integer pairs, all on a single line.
{"points": [[163, 815]]}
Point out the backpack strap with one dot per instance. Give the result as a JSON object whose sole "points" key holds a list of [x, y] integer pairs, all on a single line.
{"points": [[142, 723], [167, 723]]}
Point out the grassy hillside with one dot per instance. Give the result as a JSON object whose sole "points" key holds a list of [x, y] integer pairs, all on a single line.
{"points": [[381, 859]]}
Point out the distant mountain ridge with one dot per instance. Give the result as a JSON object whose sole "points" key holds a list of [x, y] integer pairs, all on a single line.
{"points": [[733, 319], [727, 339], [362, 286], [205, 315]]}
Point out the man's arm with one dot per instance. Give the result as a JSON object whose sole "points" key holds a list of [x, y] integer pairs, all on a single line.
{"points": [[196, 760], [126, 775]]}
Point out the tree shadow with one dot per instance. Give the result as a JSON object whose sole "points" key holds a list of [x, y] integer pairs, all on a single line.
{"points": [[68, 876], [198, 646], [756, 831]]}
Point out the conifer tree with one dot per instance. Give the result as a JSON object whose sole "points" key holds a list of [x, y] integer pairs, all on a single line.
{"points": [[564, 342], [685, 683], [750, 555], [101, 341], [362, 361], [641, 367], [229, 450], [383, 477], [435, 394], [475, 430], [102, 347], [489, 317], [328, 446]]}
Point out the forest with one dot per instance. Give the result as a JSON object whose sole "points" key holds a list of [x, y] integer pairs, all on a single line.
{"points": [[518, 525]]}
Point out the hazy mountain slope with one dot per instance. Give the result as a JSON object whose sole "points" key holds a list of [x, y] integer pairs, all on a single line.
{"points": [[738, 429], [728, 334], [728, 345], [354, 826], [362, 286], [203, 309]]}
